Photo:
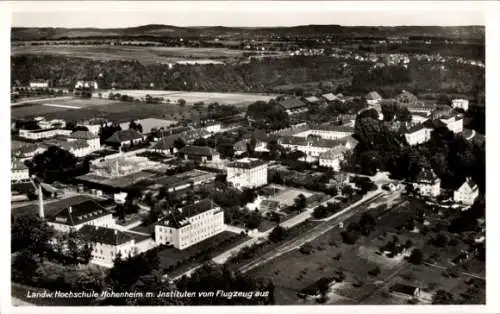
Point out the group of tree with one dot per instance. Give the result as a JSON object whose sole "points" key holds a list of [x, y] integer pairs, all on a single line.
{"points": [[323, 211], [392, 111], [56, 164], [267, 115], [355, 230], [135, 126], [106, 131]]}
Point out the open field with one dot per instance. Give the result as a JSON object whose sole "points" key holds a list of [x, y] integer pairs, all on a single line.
{"points": [[146, 55], [295, 271], [193, 97]]}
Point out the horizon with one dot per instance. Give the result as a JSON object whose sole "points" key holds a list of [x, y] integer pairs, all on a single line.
{"points": [[127, 14]]}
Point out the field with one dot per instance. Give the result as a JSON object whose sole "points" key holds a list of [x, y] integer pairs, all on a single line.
{"points": [[193, 97], [330, 256], [76, 109], [146, 55]]}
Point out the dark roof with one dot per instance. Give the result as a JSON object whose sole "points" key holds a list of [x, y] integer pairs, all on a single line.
{"points": [[104, 235], [434, 123], [403, 288], [197, 150], [81, 213], [124, 136], [292, 103], [250, 163], [426, 175], [68, 145], [166, 142], [373, 96], [83, 135], [179, 218]]}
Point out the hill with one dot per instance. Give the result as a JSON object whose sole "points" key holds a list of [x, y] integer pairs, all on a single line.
{"points": [[156, 30]]}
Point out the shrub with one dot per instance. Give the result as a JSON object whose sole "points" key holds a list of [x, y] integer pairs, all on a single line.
{"points": [[306, 249], [416, 257], [374, 271]]}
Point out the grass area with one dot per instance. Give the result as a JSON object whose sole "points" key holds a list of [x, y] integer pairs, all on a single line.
{"points": [[146, 55], [175, 262], [327, 256]]}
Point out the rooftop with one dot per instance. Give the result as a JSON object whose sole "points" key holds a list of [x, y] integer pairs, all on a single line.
{"points": [[426, 175], [178, 219], [329, 97], [247, 163], [81, 213], [104, 235], [373, 96], [198, 150], [312, 99], [124, 136], [83, 135], [292, 103]]}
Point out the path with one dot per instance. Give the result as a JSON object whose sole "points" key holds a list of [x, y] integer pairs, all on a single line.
{"points": [[29, 101]]}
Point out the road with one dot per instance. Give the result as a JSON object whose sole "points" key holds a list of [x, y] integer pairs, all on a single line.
{"points": [[463, 273], [309, 235]]}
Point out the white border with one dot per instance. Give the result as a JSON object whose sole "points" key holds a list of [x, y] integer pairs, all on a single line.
{"points": [[448, 7]]}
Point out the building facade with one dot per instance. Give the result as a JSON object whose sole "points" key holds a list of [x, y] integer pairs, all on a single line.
{"points": [[454, 123], [247, 173], [427, 183], [460, 103], [75, 217], [418, 134], [332, 158], [467, 193], [190, 225], [108, 244], [40, 134], [92, 140]]}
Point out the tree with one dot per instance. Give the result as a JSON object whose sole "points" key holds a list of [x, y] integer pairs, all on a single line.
{"points": [[347, 190], [32, 233], [24, 266], [179, 143], [54, 164], [251, 145], [300, 202], [181, 102], [442, 297], [277, 234], [416, 257]]}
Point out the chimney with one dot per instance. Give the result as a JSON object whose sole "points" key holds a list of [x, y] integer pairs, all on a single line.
{"points": [[41, 211]]}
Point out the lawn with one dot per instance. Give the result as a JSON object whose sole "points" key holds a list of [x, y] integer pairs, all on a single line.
{"points": [[182, 260]]}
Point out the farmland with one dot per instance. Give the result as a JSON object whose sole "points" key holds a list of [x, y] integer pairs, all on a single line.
{"points": [[81, 109], [146, 55], [328, 257]]}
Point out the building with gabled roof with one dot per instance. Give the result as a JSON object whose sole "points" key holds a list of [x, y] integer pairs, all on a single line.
{"points": [[125, 138], [467, 193], [107, 244], [416, 133], [93, 141], [76, 216], [165, 145], [199, 153], [333, 157], [427, 183], [293, 106], [190, 225], [373, 98]]}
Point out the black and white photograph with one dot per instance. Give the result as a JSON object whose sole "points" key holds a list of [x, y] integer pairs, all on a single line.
{"points": [[239, 153]]}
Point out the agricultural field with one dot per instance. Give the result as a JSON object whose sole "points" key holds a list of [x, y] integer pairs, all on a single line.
{"points": [[193, 97], [145, 55], [328, 257]]}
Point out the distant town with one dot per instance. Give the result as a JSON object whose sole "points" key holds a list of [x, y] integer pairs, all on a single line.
{"points": [[311, 172]]}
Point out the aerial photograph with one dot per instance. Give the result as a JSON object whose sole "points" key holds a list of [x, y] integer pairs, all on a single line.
{"points": [[259, 157]]}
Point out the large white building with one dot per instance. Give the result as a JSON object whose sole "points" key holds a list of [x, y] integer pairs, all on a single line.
{"points": [[92, 140], [460, 103], [247, 173], [333, 157], [417, 134], [314, 147], [427, 183], [329, 132], [466, 193], [39, 84], [74, 217], [190, 225], [107, 244]]}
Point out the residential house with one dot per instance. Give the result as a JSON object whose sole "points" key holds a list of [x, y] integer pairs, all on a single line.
{"points": [[165, 145], [190, 225], [124, 138], [293, 106], [108, 244], [460, 103], [199, 153], [466, 193], [247, 173], [90, 138], [87, 213], [19, 171], [427, 183], [373, 98], [454, 123]]}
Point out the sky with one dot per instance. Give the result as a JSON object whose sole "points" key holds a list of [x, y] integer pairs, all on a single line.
{"points": [[278, 13]]}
